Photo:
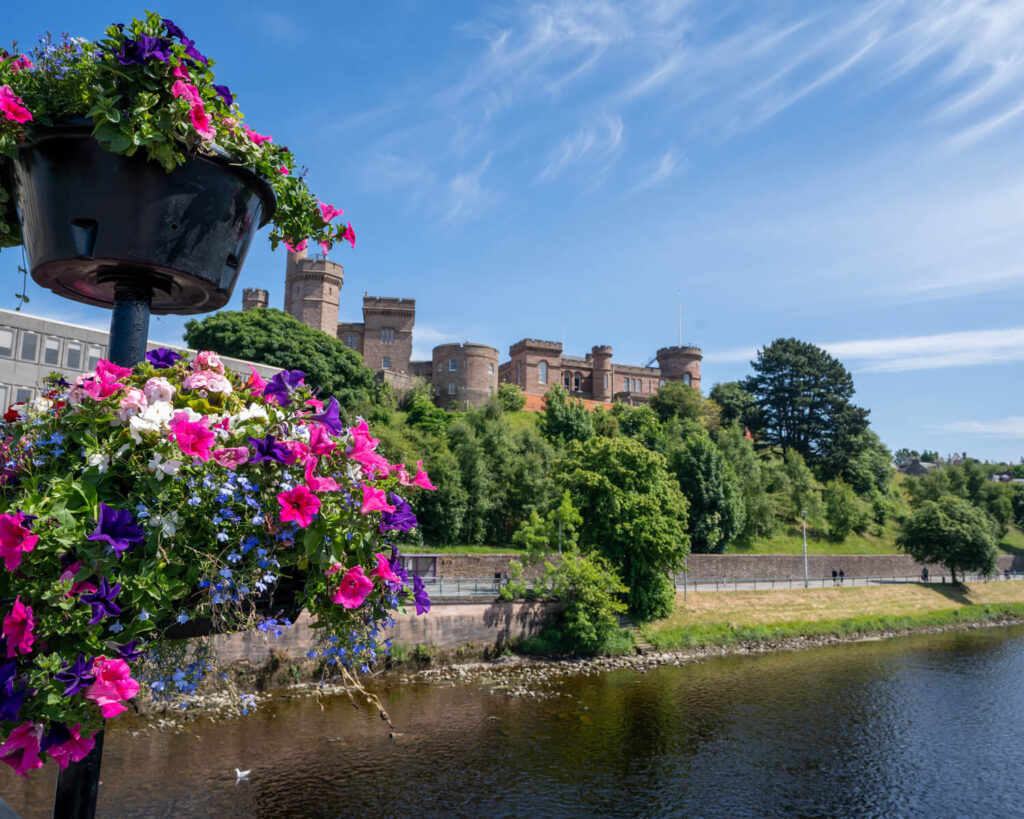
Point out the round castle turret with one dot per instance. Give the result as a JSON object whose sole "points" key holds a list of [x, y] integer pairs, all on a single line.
{"points": [[312, 291], [474, 379], [601, 360], [254, 298], [681, 364]]}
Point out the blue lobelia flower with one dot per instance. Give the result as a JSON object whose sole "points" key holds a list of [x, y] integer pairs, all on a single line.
{"points": [[118, 528], [282, 385], [268, 449], [102, 601], [401, 520], [161, 358], [76, 677], [330, 417]]}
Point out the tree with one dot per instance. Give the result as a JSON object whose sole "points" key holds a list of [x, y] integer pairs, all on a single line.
{"points": [[272, 337], [804, 397], [953, 533], [716, 512], [842, 510], [589, 590], [737, 405], [633, 514], [762, 499], [803, 491], [638, 422], [565, 419], [511, 397], [678, 400]]}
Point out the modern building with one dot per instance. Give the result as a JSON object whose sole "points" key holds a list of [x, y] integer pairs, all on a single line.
{"points": [[31, 347]]}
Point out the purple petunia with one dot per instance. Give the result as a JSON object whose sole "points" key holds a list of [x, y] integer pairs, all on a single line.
{"points": [[401, 520], [129, 652], [146, 48], [10, 700], [76, 676], [173, 29], [419, 595], [162, 358], [102, 601], [330, 417], [282, 385], [57, 735], [118, 528], [268, 449], [225, 94]]}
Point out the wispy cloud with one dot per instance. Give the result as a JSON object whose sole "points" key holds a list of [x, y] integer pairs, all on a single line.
{"points": [[426, 338], [468, 198], [667, 167], [943, 350], [1012, 426], [596, 143]]}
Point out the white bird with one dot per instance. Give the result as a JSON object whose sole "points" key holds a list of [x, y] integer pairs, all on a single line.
{"points": [[240, 775]]}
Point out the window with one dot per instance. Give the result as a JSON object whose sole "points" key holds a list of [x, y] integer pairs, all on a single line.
{"points": [[29, 346], [451, 389], [22, 394], [352, 341], [661, 382], [3, 397], [686, 379], [453, 365], [385, 363], [51, 351], [490, 390], [519, 372], [387, 335], [576, 382], [73, 355], [606, 380], [95, 354], [6, 342], [567, 380], [490, 369], [625, 384], [542, 373]]}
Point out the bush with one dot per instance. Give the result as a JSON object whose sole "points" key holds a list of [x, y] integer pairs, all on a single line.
{"points": [[511, 397]]}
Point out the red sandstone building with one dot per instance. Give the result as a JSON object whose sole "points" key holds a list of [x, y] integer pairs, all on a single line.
{"points": [[466, 375]]}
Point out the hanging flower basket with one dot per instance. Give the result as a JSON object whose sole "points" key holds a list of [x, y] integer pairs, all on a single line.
{"points": [[142, 505]]}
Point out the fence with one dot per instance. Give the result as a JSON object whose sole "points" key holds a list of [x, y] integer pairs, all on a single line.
{"points": [[462, 586], [822, 582]]}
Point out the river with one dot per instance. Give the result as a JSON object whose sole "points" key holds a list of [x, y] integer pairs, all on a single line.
{"points": [[919, 726]]}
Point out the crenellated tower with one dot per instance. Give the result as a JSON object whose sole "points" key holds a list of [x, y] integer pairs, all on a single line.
{"points": [[312, 290]]}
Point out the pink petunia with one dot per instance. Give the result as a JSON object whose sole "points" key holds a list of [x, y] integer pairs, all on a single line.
{"points": [[231, 457], [354, 589], [192, 437], [329, 211], [12, 106], [116, 372], [334, 569], [296, 248], [284, 170], [208, 360], [21, 748], [17, 630], [349, 234], [256, 138], [320, 442], [298, 504], [403, 476], [362, 449], [189, 92], [180, 71], [22, 63], [113, 684], [255, 383], [297, 451], [315, 403], [82, 586], [74, 750], [421, 478], [319, 484], [384, 571], [375, 500], [14, 540], [201, 121], [98, 387]]}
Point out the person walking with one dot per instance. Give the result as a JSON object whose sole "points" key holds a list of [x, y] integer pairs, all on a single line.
{"points": [[842, 577], [835, 578], [924, 575]]}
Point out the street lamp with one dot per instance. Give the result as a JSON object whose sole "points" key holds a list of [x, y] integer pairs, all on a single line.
{"points": [[803, 514]]}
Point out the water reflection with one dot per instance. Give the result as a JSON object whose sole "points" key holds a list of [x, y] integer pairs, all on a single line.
{"points": [[924, 726]]}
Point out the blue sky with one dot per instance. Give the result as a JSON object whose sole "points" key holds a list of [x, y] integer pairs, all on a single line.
{"points": [[847, 173]]}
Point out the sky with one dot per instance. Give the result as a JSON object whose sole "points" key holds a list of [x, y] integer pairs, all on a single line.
{"points": [[845, 173]]}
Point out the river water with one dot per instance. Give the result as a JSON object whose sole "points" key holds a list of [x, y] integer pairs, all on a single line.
{"points": [[922, 726]]}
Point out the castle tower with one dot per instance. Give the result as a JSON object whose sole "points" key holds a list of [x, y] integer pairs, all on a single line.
{"points": [[464, 375], [253, 298], [312, 291], [387, 332], [602, 382], [681, 364]]}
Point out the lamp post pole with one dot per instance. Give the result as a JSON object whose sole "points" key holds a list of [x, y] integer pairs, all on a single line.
{"points": [[803, 515]]}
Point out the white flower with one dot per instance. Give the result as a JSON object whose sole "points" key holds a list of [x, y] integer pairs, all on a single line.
{"points": [[163, 466], [167, 524], [99, 460], [42, 404], [254, 412], [152, 420]]}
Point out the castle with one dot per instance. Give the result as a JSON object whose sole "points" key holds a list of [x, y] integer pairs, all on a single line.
{"points": [[466, 375]]}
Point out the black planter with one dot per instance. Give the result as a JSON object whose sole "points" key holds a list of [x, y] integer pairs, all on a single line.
{"points": [[93, 219]]}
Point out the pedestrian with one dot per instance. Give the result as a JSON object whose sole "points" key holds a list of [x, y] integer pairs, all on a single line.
{"points": [[835, 576], [924, 575], [842, 577]]}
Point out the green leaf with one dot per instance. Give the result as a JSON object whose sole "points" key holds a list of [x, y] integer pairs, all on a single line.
{"points": [[112, 138]]}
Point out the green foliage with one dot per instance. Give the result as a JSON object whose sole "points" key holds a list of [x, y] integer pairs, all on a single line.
{"points": [[558, 531], [842, 510], [754, 476], [440, 514], [871, 468], [272, 337], [565, 419], [426, 417], [737, 405], [640, 423], [605, 423], [803, 491], [511, 397], [804, 397], [678, 400], [589, 590], [954, 533], [968, 480], [716, 510], [633, 514]]}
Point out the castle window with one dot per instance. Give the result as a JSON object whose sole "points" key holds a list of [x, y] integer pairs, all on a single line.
{"points": [[686, 379], [542, 373], [490, 369], [352, 341], [567, 380], [440, 367], [387, 335], [386, 363], [606, 380], [453, 365], [451, 389], [519, 372], [576, 382], [625, 384], [73, 356], [661, 382], [490, 391]]}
